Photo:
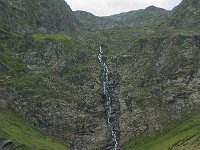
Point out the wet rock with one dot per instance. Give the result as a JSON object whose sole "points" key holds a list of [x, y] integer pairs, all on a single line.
{"points": [[111, 102]]}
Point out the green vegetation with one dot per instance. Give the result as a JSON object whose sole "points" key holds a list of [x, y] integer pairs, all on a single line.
{"points": [[16, 72], [53, 37], [8, 59], [24, 134], [181, 135], [12, 64]]}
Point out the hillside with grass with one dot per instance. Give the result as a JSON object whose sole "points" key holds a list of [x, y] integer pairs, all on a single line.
{"points": [[147, 16], [151, 16], [182, 135], [90, 22], [24, 135]]}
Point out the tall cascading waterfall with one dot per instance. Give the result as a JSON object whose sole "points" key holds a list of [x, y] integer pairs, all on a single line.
{"points": [[109, 108]]}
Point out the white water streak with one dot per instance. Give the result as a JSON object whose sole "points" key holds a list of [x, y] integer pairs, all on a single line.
{"points": [[106, 93]]}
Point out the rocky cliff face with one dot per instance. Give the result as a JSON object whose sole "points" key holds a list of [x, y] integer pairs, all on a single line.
{"points": [[159, 83], [38, 16], [186, 15]]}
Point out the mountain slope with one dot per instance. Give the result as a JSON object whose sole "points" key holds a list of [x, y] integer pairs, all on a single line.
{"points": [[183, 136], [92, 22], [157, 76], [186, 15], [145, 17], [55, 80], [38, 15], [149, 15]]}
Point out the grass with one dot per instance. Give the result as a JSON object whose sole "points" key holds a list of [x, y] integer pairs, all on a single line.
{"points": [[12, 64], [16, 71], [181, 133], [53, 37], [24, 134]]}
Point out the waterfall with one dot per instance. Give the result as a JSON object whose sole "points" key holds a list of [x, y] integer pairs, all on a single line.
{"points": [[108, 100]]}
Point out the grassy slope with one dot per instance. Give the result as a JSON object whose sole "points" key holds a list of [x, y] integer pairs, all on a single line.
{"points": [[184, 136], [25, 135], [54, 37]]}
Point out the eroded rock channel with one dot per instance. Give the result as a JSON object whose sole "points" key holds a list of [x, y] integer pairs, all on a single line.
{"points": [[111, 103]]}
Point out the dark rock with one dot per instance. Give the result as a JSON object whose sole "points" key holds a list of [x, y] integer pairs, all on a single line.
{"points": [[2, 67], [7, 145]]}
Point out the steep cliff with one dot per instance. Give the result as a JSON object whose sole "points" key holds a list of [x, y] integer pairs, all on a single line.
{"points": [[38, 15]]}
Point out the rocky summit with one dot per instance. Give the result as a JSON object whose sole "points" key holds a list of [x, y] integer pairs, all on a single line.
{"points": [[73, 80]]}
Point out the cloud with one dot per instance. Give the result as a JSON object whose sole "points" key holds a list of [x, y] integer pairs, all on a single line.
{"points": [[110, 7]]}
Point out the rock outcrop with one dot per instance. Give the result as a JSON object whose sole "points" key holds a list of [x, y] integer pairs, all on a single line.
{"points": [[38, 16], [7, 145]]}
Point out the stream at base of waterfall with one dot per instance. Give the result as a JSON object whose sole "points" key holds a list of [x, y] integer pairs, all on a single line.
{"points": [[107, 97]]}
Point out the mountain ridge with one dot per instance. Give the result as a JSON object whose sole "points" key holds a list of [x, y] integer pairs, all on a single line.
{"points": [[148, 16]]}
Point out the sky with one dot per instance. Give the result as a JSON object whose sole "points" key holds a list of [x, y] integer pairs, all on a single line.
{"points": [[110, 7]]}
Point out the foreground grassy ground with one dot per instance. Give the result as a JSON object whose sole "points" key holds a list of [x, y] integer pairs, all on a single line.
{"points": [[184, 136], [24, 134]]}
